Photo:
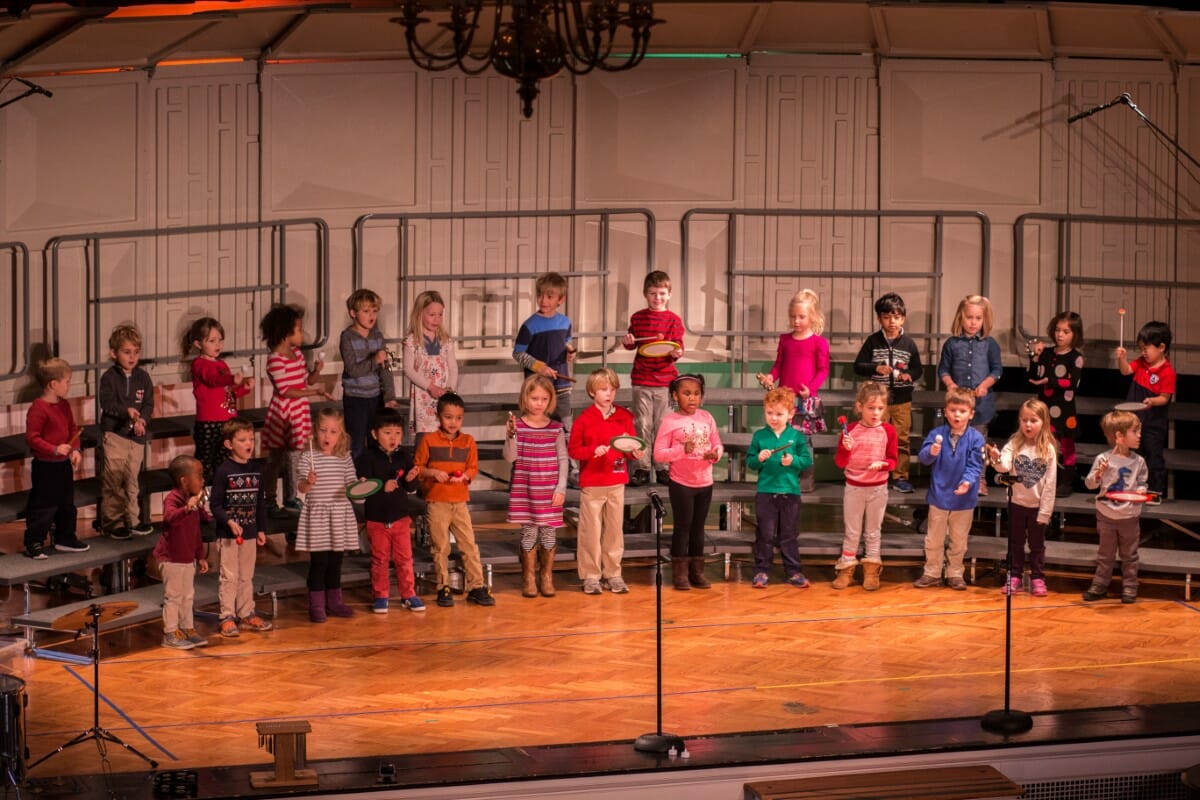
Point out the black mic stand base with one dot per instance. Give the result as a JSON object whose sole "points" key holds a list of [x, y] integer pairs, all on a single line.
{"points": [[1006, 721], [661, 743]]}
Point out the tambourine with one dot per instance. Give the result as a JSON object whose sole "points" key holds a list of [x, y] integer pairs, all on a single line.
{"points": [[361, 490], [1132, 405], [624, 443], [1123, 496], [659, 349]]}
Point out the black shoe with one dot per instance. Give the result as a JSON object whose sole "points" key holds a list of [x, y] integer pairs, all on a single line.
{"points": [[640, 478], [1092, 595], [444, 598], [142, 529], [481, 596], [1128, 598], [36, 551], [72, 546], [663, 477], [118, 533]]}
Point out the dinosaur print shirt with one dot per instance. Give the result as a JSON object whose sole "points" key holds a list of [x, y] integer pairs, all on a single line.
{"points": [[1121, 473]]}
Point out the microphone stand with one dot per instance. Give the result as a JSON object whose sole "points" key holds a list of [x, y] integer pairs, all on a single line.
{"points": [[1125, 99], [658, 742], [1007, 720]]}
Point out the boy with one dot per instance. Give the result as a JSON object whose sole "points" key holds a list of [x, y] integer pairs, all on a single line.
{"points": [[651, 375], [1120, 469], [448, 462], [890, 357], [53, 439], [240, 508], [389, 526], [543, 343], [179, 551], [367, 383], [603, 473], [126, 400], [778, 453], [955, 451], [1153, 385]]}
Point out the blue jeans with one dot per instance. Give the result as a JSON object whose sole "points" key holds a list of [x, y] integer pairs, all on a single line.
{"points": [[360, 416], [778, 524]]}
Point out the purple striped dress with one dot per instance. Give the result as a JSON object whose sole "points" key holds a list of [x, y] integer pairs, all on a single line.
{"points": [[538, 469]]}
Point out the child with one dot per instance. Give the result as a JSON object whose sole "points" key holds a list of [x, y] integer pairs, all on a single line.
{"points": [[778, 453], [126, 401], [1057, 372], [867, 449], [802, 365], [1030, 456], [429, 362], [890, 357], [239, 507], [955, 451], [689, 442], [179, 551], [1153, 385], [367, 383], [388, 513], [53, 440], [603, 473], [449, 461], [651, 375], [289, 419], [1119, 469], [538, 486], [971, 359], [216, 389], [327, 525], [543, 345]]}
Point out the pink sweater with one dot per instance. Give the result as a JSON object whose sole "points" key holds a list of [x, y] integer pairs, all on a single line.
{"points": [[688, 469], [870, 445], [801, 362]]}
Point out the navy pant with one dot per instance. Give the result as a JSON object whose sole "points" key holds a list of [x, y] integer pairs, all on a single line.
{"points": [[360, 416], [1154, 445], [1023, 528], [778, 526]]}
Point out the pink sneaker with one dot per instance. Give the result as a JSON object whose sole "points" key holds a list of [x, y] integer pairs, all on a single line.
{"points": [[1012, 587], [1039, 587]]}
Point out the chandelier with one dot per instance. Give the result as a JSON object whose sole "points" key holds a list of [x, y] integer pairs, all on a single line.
{"points": [[531, 39]]}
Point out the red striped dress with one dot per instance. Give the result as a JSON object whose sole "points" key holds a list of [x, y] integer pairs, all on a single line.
{"points": [[536, 472], [289, 421]]}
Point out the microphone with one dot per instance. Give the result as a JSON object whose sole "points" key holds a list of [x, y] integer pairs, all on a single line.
{"points": [[34, 87], [1122, 98], [657, 502]]}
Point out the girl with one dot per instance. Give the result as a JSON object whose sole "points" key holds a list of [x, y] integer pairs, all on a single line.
{"points": [[1030, 457], [1057, 372], [971, 358], [216, 389], [327, 525], [429, 362], [537, 449], [867, 451], [802, 365], [289, 420], [689, 442]]}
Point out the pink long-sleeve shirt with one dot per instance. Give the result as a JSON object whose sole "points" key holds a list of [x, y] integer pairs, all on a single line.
{"points": [[801, 362], [692, 469]]}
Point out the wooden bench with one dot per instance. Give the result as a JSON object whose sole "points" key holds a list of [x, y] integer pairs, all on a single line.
{"points": [[980, 782]]}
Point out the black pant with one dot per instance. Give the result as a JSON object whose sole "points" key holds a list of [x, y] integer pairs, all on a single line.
{"points": [[1154, 445], [324, 570], [210, 447], [689, 507], [1023, 527], [51, 500], [360, 418]]}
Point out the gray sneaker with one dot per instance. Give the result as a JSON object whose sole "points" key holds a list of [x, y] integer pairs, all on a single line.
{"points": [[591, 586], [617, 585], [196, 639], [956, 583], [177, 640], [926, 581]]}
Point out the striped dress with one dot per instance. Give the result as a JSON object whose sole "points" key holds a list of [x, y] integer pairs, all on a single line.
{"points": [[539, 457], [289, 420], [327, 520]]}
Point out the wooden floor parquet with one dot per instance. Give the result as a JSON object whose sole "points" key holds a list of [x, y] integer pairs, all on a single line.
{"points": [[578, 668]]}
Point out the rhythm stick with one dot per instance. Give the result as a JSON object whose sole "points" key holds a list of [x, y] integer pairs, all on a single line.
{"points": [[1121, 315], [842, 422], [648, 339], [75, 436], [784, 446]]}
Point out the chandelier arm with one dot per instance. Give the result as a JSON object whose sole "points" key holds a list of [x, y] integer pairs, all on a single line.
{"points": [[462, 54], [580, 56]]}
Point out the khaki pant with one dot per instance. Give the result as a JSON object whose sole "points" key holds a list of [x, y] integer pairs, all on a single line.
{"points": [[236, 591], [900, 418], [958, 525], [119, 501], [601, 532], [444, 518], [650, 405], [179, 590]]}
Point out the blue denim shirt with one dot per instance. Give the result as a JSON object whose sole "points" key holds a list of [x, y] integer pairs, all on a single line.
{"points": [[968, 361]]}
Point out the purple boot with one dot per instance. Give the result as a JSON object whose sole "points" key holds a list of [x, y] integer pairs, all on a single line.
{"points": [[334, 604], [316, 606]]}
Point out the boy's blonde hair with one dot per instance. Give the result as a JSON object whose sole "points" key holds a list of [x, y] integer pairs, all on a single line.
{"points": [[605, 376], [342, 447], [960, 395], [973, 300], [537, 382], [551, 280], [51, 369], [423, 301], [122, 334], [868, 390], [1046, 443], [780, 396], [362, 297], [656, 279], [807, 297], [1115, 422]]}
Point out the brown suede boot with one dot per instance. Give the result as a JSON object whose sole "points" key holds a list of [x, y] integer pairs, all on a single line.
{"points": [[679, 573], [845, 576], [696, 573], [871, 572], [546, 577], [529, 573]]}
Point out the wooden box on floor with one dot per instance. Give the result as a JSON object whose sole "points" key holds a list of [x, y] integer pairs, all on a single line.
{"points": [[287, 741]]}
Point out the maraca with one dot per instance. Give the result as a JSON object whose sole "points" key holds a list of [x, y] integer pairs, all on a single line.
{"points": [[842, 422], [937, 439]]}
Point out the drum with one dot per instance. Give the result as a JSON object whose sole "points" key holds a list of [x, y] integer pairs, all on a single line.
{"points": [[13, 752]]}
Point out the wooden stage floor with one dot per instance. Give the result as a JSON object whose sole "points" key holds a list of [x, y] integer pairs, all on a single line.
{"points": [[581, 669]]}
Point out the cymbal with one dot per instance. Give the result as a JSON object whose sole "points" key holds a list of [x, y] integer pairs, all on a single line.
{"points": [[81, 618]]}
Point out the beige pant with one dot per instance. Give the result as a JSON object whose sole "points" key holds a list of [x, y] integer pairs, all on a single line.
{"points": [[237, 577], [601, 533], [941, 522], [119, 502], [179, 582], [444, 518], [650, 405], [900, 418]]}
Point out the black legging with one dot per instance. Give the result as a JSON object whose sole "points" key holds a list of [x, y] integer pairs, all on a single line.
{"points": [[324, 570], [689, 507]]}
